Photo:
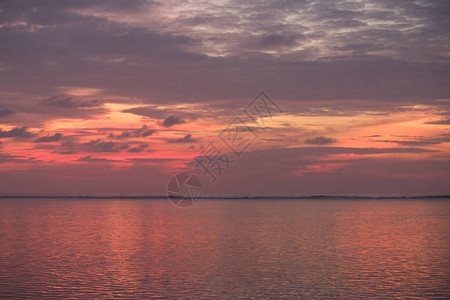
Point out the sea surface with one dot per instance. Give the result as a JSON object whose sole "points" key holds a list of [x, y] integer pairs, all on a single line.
{"points": [[229, 249]]}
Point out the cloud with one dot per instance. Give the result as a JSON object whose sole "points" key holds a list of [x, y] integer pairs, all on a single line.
{"points": [[317, 170], [158, 113], [91, 159], [321, 151], [186, 139], [375, 176], [135, 150], [7, 158], [52, 138], [284, 161], [152, 160], [440, 122], [101, 146], [421, 141], [373, 135], [325, 49], [16, 132], [138, 149], [172, 120], [144, 111], [71, 146], [321, 140], [32, 112], [66, 101], [144, 131], [273, 41], [7, 111]]}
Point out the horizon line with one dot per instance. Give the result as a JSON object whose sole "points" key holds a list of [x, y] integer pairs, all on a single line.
{"points": [[231, 197]]}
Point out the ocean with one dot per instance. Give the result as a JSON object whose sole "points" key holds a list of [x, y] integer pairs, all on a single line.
{"points": [[226, 249]]}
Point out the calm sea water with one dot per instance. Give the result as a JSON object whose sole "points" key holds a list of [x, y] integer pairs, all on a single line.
{"points": [[337, 249]]}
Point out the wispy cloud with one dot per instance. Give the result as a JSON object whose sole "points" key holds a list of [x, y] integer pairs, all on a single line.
{"points": [[66, 101], [186, 139], [440, 122], [321, 140], [144, 131], [7, 111], [17, 132], [91, 159], [51, 138], [172, 120]]}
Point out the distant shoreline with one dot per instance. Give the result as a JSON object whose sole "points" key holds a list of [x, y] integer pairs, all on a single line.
{"points": [[213, 197]]}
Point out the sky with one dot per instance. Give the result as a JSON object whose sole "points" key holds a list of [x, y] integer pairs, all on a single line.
{"points": [[116, 97]]}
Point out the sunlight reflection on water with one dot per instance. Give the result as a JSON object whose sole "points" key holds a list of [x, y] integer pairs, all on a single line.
{"points": [[227, 249]]}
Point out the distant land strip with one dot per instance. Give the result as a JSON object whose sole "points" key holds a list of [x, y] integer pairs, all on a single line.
{"points": [[212, 197]]}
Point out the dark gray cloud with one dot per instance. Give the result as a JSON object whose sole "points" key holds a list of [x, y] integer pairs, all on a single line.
{"points": [[145, 111], [17, 132], [30, 110], [138, 149], [165, 113], [327, 176], [440, 122], [134, 150], [172, 120], [276, 40], [347, 108], [51, 138], [91, 159], [144, 131], [321, 140], [272, 41], [100, 146], [421, 141], [330, 24], [186, 139], [7, 111], [8, 158], [286, 160], [152, 160], [72, 146], [66, 101], [320, 151], [55, 12], [317, 49]]}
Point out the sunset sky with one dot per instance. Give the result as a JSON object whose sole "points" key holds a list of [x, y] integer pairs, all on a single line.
{"points": [[115, 97]]}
